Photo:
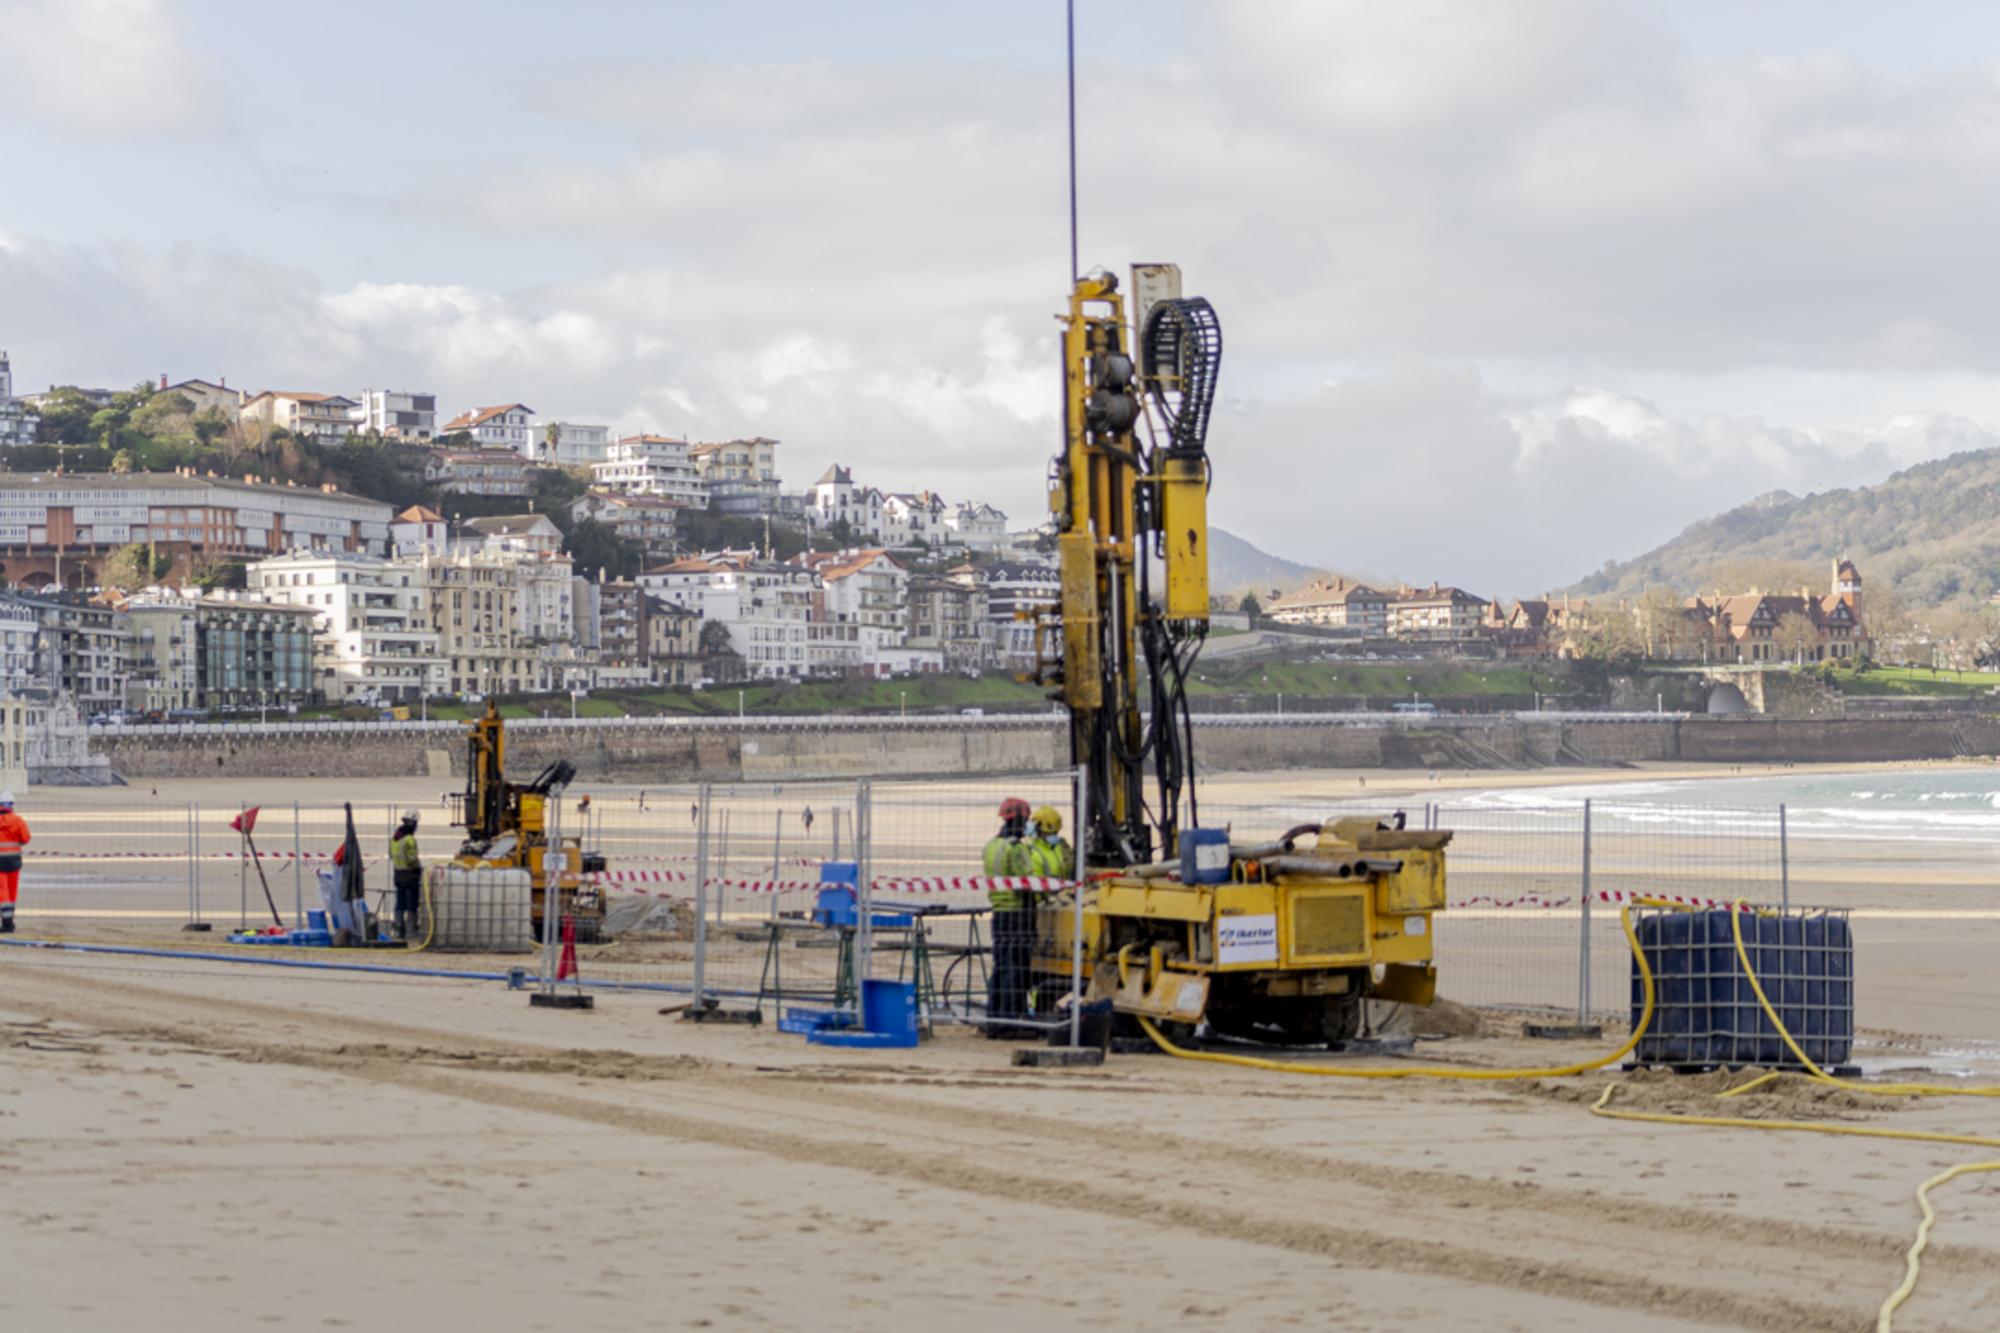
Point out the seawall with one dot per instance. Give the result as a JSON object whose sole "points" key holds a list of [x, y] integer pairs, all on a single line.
{"points": [[772, 749]]}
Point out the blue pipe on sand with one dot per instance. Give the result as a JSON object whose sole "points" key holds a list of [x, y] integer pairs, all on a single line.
{"points": [[451, 974]]}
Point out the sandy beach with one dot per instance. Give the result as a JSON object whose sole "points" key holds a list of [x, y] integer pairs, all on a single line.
{"points": [[198, 1145]]}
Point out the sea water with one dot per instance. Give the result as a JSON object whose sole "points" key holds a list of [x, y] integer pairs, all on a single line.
{"points": [[1958, 805]]}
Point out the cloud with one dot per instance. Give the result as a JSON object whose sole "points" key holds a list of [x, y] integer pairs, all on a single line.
{"points": [[1447, 243], [106, 68]]}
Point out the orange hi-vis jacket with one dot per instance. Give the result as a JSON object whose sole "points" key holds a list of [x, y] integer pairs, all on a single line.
{"points": [[13, 837]]}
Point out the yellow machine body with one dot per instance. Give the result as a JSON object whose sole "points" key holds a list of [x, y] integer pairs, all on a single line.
{"points": [[507, 826], [1288, 954]]}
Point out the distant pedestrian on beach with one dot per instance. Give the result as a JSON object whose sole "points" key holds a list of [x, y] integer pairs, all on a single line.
{"points": [[806, 818]]}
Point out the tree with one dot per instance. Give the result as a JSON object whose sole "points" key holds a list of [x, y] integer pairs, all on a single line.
{"points": [[1250, 607], [1665, 628], [129, 568], [1610, 636], [1795, 635], [165, 417], [719, 659], [65, 416], [121, 462], [597, 546], [551, 437], [210, 423]]}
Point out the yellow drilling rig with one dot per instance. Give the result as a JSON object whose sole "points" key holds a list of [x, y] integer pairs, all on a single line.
{"points": [[1277, 939], [507, 827]]}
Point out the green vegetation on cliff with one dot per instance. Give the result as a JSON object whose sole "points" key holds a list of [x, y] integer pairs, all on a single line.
{"points": [[1930, 534]]}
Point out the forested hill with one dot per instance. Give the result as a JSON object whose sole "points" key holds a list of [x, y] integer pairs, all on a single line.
{"points": [[1931, 533]]}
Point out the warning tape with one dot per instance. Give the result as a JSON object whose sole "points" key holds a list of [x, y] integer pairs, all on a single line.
{"points": [[1615, 896], [945, 884]]}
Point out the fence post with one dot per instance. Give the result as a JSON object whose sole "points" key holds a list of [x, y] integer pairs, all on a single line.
{"points": [[1583, 951], [1784, 860], [194, 865], [298, 872], [864, 893], [242, 872], [551, 890], [777, 853], [836, 835], [701, 897], [188, 844], [1079, 776]]}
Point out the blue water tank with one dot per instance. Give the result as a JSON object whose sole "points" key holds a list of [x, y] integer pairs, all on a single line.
{"points": [[1705, 1011], [1204, 856]]}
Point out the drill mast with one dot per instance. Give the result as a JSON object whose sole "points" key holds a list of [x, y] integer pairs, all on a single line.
{"points": [[1129, 514]]}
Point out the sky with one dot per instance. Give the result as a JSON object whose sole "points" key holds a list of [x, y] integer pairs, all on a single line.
{"points": [[1508, 289]]}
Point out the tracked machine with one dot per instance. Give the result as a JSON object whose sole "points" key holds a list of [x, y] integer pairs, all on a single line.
{"points": [[507, 827], [1280, 938]]}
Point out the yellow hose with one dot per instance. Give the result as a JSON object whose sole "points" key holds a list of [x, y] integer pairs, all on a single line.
{"points": [[1912, 1262], [1428, 1071], [1603, 1105]]}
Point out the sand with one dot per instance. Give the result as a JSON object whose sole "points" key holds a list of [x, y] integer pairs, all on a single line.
{"points": [[192, 1145]]}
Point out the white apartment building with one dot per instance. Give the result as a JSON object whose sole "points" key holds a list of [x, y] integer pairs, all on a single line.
{"points": [[373, 637], [652, 465], [17, 419], [203, 394], [977, 526], [18, 662], [323, 416], [742, 475], [913, 519], [574, 444], [835, 499], [475, 606], [649, 520], [398, 415], [503, 426], [530, 533], [418, 529], [478, 471], [862, 591], [165, 670], [765, 606], [1014, 590]]}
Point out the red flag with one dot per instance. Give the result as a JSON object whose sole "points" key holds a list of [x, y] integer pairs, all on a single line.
{"points": [[566, 966], [246, 821]]}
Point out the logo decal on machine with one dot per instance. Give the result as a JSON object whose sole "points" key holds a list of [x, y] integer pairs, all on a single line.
{"points": [[1246, 939]]}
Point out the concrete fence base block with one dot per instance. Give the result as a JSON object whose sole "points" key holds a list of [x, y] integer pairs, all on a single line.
{"points": [[716, 1014], [1563, 1031], [544, 1000], [1057, 1057]]}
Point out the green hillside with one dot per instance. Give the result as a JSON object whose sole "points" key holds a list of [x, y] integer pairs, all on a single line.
{"points": [[1930, 533]]}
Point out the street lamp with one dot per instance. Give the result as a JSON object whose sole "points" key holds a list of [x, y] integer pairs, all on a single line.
{"points": [[902, 704]]}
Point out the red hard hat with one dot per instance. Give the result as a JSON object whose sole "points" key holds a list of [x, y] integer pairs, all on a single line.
{"points": [[1013, 808]]}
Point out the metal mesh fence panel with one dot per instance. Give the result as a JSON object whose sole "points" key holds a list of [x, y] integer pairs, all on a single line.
{"points": [[107, 865], [990, 952]]}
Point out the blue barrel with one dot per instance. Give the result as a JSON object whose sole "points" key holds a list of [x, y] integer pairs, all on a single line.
{"points": [[1204, 856]]}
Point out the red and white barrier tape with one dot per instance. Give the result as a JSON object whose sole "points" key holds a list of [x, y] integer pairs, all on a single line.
{"points": [[945, 884]]}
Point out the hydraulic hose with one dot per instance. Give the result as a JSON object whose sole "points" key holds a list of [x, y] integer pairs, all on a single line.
{"points": [[1913, 1261], [1430, 1071]]}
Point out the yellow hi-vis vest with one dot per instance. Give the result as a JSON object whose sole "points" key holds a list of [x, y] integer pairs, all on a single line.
{"points": [[403, 853], [1006, 856]]}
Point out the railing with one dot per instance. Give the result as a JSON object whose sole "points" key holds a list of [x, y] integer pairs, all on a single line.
{"points": [[862, 722]]}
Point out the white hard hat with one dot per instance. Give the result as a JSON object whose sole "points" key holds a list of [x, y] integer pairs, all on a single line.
{"points": [[6, 798], [410, 815]]}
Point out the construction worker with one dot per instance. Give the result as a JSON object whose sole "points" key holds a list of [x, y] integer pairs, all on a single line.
{"points": [[13, 837], [1013, 922], [1049, 855], [406, 868]]}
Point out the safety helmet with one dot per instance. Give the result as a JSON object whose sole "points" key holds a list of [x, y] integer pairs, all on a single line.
{"points": [[1048, 820], [6, 800], [1013, 808]]}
